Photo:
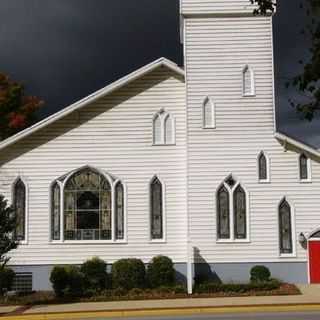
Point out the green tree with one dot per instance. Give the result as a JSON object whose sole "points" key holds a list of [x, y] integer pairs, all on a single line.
{"points": [[308, 82], [7, 228], [17, 110]]}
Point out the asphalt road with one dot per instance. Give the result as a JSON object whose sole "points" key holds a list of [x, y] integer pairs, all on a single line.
{"points": [[243, 316]]}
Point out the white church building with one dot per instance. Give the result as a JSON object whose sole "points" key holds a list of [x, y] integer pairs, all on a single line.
{"points": [[179, 161]]}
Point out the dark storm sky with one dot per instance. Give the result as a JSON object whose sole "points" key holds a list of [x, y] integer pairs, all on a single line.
{"points": [[63, 50]]}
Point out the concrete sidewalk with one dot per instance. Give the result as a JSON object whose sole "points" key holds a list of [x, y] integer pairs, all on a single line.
{"points": [[310, 296]]}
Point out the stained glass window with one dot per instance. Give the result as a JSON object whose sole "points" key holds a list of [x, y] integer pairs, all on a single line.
{"points": [[223, 207], [303, 167], [20, 209], [240, 215], [119, 211], [263, 173], [87, 207], [55, 214], [156, 209], [285, 230]]}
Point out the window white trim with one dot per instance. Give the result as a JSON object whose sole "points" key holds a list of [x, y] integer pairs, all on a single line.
{"points": [[26, 222], [163, 115], [164, 216], [113, 182], [309, 169], [231, 191], [293, 229], [268, 180], [252, 92], [213, 113]]}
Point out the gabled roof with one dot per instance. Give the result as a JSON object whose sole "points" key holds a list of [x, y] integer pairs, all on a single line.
{"points": [[300, 145], [93, 97]]}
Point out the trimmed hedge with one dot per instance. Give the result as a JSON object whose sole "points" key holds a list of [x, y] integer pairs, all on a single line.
{"points": [[211, 287], [6, 279], [95, 275], [260, 274], [128, 274], [161, 272]]}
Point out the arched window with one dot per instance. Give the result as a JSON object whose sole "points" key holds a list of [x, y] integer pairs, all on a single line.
{"points": [[157, 130], [223, 207], [163, 128], [156, 204], [119, 211], [19, 205], [304, 167], [239, 212], [87, 206], [208, 114], [232, 215], [248, 81], [55, 215], [285, 228], [263, 167]]}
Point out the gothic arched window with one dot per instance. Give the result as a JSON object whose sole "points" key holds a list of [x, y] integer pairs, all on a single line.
{"points": [[304, 167], [240, 213], [263, 169], [156, 204], [163, 128], [285, 228], [19, 205], [55, 211], [248, 81], [223, 207], [209, 114], [119, 211]]}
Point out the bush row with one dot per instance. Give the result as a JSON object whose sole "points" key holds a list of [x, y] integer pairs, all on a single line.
{"points": [[211, 287], [126, 274]]}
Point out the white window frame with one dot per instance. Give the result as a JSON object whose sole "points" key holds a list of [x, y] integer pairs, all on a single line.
{"points": [[164, 216], [309, 169], [23, 179], [268, 180], [252, 93], [232, 238], [163, 115], [213, 113], [112, 183], [293, 230]]}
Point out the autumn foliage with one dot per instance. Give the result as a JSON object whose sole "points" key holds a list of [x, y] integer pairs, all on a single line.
{"points": [[17, 111]]}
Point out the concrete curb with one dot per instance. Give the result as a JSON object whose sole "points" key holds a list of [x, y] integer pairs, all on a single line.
{"points": [[166, 312]]}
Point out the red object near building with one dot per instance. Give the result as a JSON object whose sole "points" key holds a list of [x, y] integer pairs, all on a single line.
{"points": [[314, 260]]}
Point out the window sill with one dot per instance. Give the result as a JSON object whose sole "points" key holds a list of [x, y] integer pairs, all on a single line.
{"points": [[305, 181], [163, 144], [264, 181], [158, 241], [208, 128], [85, 242], [226, 241], [287, 255], [23, 243], [250, 95]]}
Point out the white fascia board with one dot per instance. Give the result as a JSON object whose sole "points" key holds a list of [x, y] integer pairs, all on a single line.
{"points": [[93, 97], [302, 146]]}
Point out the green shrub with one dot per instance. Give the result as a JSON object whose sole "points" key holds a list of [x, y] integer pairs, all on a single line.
{"points": [[67, 281], [212, 287], [260, 274], [59, 280], [161, 272], [75, 284], [95, 274], [6, 279], [128, 274]]}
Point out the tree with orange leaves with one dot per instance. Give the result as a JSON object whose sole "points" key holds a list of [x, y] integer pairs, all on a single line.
{"points": [[17, 110]]}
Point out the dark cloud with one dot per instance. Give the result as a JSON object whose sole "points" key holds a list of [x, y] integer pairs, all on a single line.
{"points": [[64, 50]]}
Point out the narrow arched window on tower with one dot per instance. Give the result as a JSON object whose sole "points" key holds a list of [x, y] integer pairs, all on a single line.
{"points": [[223, 217], [19, 205], [156, 204], [248, 81], [208, 114], [157, 130], [163, 128], [263, 167], [240, 213], [304, 165], [285, 228]]}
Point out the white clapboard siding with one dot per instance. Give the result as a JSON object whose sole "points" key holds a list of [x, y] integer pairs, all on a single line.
{"points": [[113, 134], [215, 6], [217, 49]]}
